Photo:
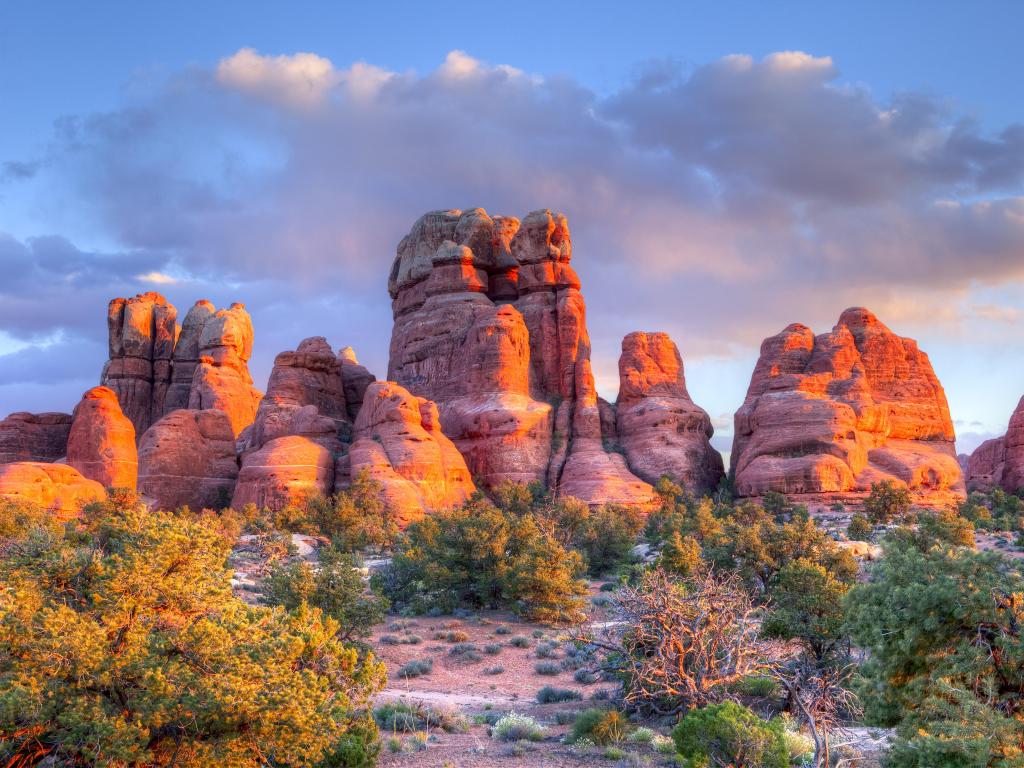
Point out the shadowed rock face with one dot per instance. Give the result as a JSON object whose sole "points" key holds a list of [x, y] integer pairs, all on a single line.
{"points": [[660, 429], [999, 463], [399, 443], [836, 412], [56, 487], [34, 437], [141, 336], [490, 324], [101, 444], [188, 458], [186, 355]]}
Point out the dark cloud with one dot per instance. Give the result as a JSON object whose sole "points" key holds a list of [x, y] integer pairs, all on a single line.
{"points": [[719, 203]]}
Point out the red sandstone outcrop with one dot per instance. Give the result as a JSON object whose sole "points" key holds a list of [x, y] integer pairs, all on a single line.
{"points": [[221, 380], [837, 412], [101, 444], [518, 405], [141, 336], [659, 427], [354, 381], [188, 458], [999, 463], [305, 396], [284, 471], [399, 443], [34, 437], [57, 487], [186, 355]]}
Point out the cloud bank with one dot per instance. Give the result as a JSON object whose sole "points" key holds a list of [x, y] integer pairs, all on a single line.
{"points": [[718, 203]]}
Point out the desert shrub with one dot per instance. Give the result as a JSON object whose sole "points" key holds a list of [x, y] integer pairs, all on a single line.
{"points": [[886, 502], [730, 734], [516, 727], [585, 677], [599, 601], [859, 528], [607, 536], [807, 605], [565, 716], [109, 625], [519, 641], [416, 668], [663, 745], [608, 586], [452, 636], [463, 649], [681, 555], [602, 726], [397, 718], [335, 586], [547, 668], [547, 650], [352, 519], [757, 686], [613, 753], [549, 694], [478, 556], [493, 649], [494, 670], [503, 630], [642, 735]]}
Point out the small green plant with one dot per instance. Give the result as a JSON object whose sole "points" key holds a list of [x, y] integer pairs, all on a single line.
{"points": [[452, 636], [418, 742], [547, 650], [614, 753], [564, 716], [730, 734], [494, 670], [663, 745], [502, 630], [493, 649], [601, 726], [538, 634], [757, 686], [549, 694], [547, 668], [859, 528], [585, 677], [416, 668], [519, 641], [516, 727], [395, 745], [642, 735]]}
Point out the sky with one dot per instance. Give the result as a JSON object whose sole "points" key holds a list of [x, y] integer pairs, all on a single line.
{"points": [[726, 169]]}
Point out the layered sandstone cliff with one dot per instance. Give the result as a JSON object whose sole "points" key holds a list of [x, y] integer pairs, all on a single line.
{"points": [[34, 437], [837, 412], [490, 324], [999, 462]]}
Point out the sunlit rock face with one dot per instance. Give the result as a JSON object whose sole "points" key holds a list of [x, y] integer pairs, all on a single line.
{"points": [[188, 459], [34, 437], [999, 462], [661, 430], [837, 412], [57, 487], [221, 380], [399, 444], [141, 334], [101, 444], [490, 324]]}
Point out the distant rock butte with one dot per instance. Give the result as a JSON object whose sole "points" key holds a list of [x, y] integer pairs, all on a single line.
{"points": [[999, 462], [102, 441], [34, 437], [837, 412]]}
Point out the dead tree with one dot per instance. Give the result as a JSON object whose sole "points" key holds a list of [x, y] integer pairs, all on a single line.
{"points": [[821, 700], [677, 645]]}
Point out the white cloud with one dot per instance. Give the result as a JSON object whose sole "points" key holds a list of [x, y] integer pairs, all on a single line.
{"points": [[301, 79], [157, 278]]}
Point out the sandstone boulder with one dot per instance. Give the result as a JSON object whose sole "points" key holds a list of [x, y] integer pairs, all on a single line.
{"points": [[101, 444], [659, 427], [286, 470], [56, 487], [141, 336], [221, 380], [999, 462], [399, 444], [836, 412], [34, 437], [188, 458]]}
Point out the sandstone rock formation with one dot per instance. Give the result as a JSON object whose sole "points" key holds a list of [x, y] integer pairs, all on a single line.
{"points": [[101, 444], [837, 412], [999, 462], [34, 437], [186, 355], [284, 471], [57, 487], [399, 443], [354, 381], [141, 336], [305, 396], [513, 384], [660, 429], [221, 379], [188, 458]]}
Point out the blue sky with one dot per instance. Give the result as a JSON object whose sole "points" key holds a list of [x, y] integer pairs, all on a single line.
{"points": [[710, 195]]}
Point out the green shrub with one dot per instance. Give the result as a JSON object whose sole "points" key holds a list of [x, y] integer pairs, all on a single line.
{"points": [[614, 753], [416, 668], [547, 650], [564, 716], [493, 649], [730, 734], [519, 641], [503, 630], [602, 726], [494, 670], [886, 502], [516, 727], [859, 528], [757, 686], [547, 668], [641, 735], [585, 677], [453, 636], [549, 694]]}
